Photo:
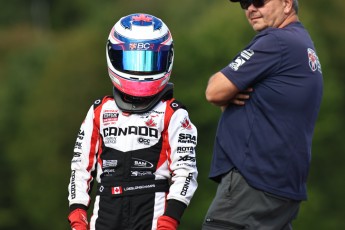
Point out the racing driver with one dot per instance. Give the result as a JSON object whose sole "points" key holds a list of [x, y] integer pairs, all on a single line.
{"points": [[137, 144]]}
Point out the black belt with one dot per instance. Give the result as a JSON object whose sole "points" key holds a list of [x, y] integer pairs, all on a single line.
{"points": [[133, 188]]}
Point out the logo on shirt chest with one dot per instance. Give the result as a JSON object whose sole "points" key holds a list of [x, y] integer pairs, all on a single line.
{"points": [[314, 62]]}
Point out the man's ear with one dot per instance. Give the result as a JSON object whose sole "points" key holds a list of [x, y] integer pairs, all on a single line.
{"points": [[287, 6]]}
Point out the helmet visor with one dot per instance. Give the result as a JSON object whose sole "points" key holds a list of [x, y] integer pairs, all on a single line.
{"points": [[140, 62]]}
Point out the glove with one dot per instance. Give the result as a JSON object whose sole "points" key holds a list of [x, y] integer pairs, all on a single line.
{"points": [[166, 223], [78, 219]]}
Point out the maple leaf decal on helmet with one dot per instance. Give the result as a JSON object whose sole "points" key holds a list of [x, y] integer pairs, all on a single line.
{"points": [[142, 17]]}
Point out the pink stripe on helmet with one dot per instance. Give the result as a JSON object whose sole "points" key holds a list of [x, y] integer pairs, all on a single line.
{"points": [[139, 88]]}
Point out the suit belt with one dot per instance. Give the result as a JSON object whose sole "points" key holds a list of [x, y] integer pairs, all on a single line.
{"points": [[133, 188]]}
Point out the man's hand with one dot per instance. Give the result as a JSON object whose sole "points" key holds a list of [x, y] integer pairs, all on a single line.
{"points": [[166, 223], [78, 219], [241, 97]]}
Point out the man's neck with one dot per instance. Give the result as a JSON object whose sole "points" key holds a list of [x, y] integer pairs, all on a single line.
{"points": [[290, 19]]}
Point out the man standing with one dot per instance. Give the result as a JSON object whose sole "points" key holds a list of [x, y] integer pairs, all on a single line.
{"points": [[262, 149]]}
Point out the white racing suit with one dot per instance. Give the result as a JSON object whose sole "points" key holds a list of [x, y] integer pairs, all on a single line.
{"points": [[144, 165]]}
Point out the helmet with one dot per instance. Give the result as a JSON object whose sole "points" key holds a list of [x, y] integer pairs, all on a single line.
{"points": [[140, 55]]}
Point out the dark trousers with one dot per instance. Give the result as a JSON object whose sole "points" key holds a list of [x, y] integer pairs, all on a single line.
{"points": [[124, 213], [239, 206]]}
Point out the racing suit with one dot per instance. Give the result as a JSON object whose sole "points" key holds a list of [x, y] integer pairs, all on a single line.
{"points": [[144, 164]]}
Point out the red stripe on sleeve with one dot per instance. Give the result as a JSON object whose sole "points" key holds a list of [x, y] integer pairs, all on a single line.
{"points": [[166, 151]]}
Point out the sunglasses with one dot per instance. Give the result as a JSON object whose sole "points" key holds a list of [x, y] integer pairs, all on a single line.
{"points": [[256, 3]]}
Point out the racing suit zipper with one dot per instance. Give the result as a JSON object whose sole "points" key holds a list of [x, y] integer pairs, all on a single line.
{"points": [[225, 224]]}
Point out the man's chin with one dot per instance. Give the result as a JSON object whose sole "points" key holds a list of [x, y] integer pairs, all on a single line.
{"points": [[258, 27]]}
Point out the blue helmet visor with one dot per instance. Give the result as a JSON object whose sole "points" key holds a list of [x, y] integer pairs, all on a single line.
{"points": [[145, 62]]}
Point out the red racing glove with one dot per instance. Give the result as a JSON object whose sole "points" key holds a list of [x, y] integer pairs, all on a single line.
{"points": [[78, 219], [166, 223]]}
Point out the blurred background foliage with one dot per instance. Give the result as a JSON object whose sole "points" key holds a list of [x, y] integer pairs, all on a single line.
{"points": [[53, 66]]}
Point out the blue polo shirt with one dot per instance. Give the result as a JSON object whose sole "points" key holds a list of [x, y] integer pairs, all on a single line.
{"points": [[269, 139]]}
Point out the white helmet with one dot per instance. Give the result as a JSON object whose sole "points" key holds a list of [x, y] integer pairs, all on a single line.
{"points": [[140, 55]]}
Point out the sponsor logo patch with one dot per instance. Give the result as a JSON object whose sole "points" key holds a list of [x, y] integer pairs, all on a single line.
{"points": [[109, 163], [110, 116], [241, 59], [187, 138], [186, 124], [140, 173], [140, 163], [186, 184], [130, 130], [185, 149], [187, 158], [73, 192], [314, 62]]}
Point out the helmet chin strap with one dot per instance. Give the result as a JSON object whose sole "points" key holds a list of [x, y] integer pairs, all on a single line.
{"points": [[140, 105]]}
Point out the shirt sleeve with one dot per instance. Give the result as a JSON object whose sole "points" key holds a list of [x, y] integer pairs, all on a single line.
{"points": [[260, 59], [83, 161], [183, 140]]}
